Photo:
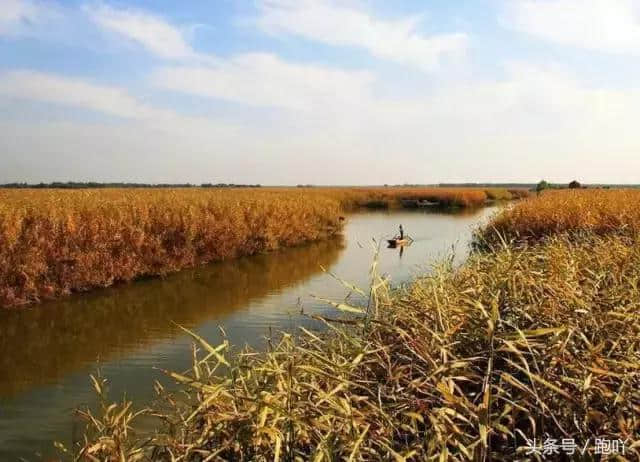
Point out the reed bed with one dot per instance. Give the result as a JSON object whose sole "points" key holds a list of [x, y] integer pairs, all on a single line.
{"points": [[572, 211], [498, 194], [522, 342], [394, 196], [54, 242], [519, 193]]}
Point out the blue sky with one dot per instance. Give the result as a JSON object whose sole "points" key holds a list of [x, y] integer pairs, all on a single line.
{"points": [[319, 91]]}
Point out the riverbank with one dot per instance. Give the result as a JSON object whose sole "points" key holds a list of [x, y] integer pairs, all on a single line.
{"points": [[55, 242], [527, 340]]}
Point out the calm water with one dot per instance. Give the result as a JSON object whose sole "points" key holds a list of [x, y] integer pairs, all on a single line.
{"points": [[48, 351]]}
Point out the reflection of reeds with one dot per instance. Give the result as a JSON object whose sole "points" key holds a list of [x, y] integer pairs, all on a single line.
{"points": [[522, 342], [42, 345]]}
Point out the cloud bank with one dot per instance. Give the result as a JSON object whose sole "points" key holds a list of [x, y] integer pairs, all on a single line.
{"points": [[611, 26], [326, 22], [267, 118]]}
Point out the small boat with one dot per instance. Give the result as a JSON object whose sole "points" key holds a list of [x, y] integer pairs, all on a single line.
{"points": [[397, 242], [418, 203]]}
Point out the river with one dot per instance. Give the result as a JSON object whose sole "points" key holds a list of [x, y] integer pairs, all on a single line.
{"points": [[48, 351]]}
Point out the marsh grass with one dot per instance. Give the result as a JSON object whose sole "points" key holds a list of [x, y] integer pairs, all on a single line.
{"points": [[600, 212], [393, 197], [521, 342], [54, 242], [499, 194]]}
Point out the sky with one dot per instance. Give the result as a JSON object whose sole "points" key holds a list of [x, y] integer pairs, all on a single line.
{"points": [[320, 91]]}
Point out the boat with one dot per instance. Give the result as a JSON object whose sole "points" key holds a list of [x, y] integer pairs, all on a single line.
{"points": [[418, 203], [397, 242]]}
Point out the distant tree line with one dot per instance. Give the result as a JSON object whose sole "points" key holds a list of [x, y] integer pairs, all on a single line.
{"points": [[488, 185], [93, 184], [542, 185], [229, 185]]}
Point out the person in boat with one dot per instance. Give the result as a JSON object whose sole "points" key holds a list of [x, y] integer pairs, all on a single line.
{"points": [[401, 233]]}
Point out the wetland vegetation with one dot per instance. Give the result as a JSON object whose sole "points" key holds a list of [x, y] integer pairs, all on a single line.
{"points": [[536, 335], [55, 241]]}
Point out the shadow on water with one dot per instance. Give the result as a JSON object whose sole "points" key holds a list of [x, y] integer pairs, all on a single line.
{"points": [[42, 344]]}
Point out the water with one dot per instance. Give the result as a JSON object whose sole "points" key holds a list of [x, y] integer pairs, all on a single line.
{"points": [[48, 351]]}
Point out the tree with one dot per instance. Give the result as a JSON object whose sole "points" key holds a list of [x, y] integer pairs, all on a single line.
{"points": [[542, 186], [575, 185]]}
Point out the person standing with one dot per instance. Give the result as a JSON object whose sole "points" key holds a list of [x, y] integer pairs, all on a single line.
{"points": [[401, 233]]}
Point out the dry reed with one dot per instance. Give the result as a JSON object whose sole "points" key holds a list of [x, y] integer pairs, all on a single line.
{"points": [[573, 211], [54, 242], [522, 342], [394, 196]]}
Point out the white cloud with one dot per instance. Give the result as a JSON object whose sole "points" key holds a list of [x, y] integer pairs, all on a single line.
{"points": [[540, 121], [394, 40], [113, 101], [333, 126], [318, 20], [39, 86], [22, 17], [259, 79], [606, 25], [150, 31], [15, 11]]}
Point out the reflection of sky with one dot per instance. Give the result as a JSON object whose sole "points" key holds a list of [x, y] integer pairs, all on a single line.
{"points": [[41, 412]]}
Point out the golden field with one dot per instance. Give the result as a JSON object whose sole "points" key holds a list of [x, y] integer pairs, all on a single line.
{"points": [[531, 339], [53, 242]]}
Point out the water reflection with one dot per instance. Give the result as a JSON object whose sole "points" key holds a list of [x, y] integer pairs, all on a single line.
{"points": [[44, 343]]}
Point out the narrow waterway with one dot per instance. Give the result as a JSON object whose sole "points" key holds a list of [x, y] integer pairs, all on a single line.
{"points": [[48, 351]]}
